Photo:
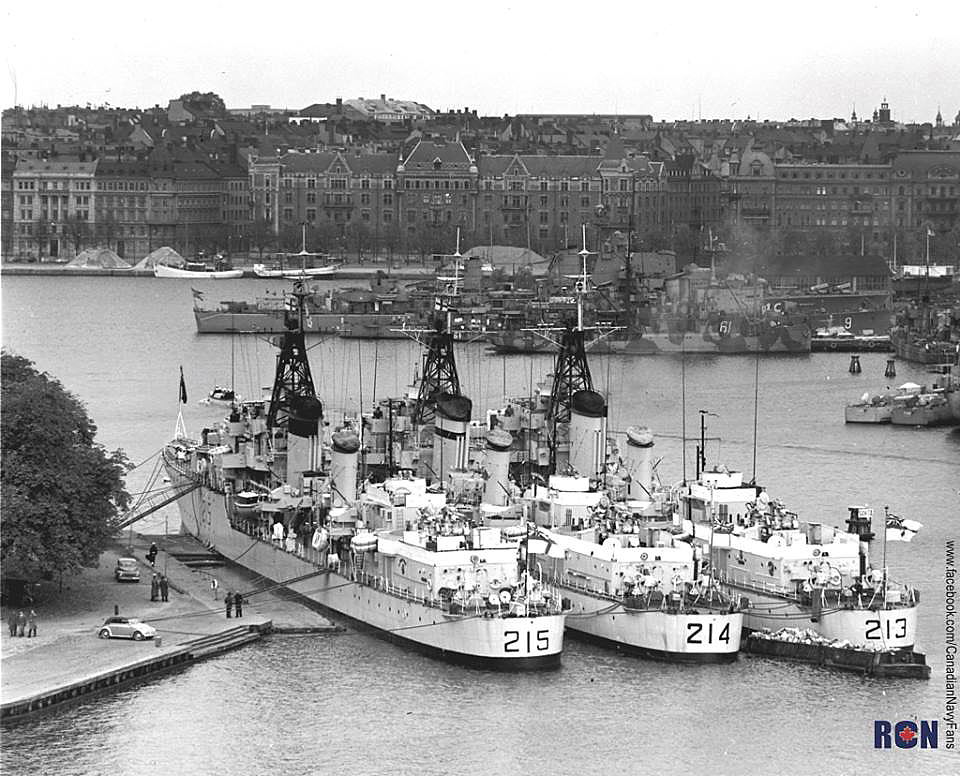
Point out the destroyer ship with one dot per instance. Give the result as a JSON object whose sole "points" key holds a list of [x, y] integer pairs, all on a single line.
{"points": [[264, 492], [803, 575], [693, 312], [633, 582]]}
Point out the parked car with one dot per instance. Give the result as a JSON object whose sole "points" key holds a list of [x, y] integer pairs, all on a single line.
{"points": [[126, 628], [127, 570]]}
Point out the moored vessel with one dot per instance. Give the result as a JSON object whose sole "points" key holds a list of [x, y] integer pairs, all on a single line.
{"points": [[263, 491], [807, 575], [633, 582]]}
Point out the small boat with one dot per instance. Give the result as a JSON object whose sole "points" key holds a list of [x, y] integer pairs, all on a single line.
{"points": [[245, 503], [220, 396], [261, 271], [870, 409], [923, 409], [807, 646], [194, 270], [826, 339]]}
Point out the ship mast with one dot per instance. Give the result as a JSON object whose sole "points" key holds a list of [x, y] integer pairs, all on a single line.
{"points": [[439, 365], [571, 373], [293, 384]]}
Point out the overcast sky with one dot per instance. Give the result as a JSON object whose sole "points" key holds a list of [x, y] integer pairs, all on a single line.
{"points": [[728, 59]]}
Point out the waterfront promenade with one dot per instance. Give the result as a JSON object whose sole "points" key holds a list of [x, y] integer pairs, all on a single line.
{"points": [[66, 653], [414, 270]]}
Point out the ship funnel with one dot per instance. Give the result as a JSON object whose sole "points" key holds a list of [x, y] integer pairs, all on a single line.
{"points": [[343, 466], [302, 433], [450, 434], [587, 417], [497, 465], [638, 460]]}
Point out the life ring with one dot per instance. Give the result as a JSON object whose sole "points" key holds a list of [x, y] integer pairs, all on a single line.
{"points": [[505, 595], [643, 556], [816, 552], [835, 577], [495, 583]]}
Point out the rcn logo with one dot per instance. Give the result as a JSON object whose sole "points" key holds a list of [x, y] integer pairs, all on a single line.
{"points": [[905, 734]]}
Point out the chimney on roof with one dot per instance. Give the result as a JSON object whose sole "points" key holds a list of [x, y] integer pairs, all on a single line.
{"points": [[383, 98], [339, 102]]}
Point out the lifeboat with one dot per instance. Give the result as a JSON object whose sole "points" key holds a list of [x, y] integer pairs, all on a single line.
{"points": [[245, 502], [364, 542]]}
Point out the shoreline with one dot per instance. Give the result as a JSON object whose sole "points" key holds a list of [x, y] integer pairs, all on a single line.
{"points": [[351, 272], [66, 662]]}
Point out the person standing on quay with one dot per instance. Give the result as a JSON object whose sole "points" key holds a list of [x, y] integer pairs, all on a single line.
{"points": [[228, 600], [238, 603], [32, 624], [12, 622], [154, 587], [21, 623], [164, 588]]}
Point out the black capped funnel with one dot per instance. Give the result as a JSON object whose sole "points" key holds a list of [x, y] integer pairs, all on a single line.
{"points": [[588, 403], [455, 408], [305, 414]]}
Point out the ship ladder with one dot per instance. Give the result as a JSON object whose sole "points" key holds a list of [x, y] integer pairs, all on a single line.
{"points": [[151, 499], [154, 501]]}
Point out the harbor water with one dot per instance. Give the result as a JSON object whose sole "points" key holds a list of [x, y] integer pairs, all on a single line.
{"points": [[352, 704]]}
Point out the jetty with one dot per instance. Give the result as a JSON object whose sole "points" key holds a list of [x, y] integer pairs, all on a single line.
{"points": [[67, 663]]}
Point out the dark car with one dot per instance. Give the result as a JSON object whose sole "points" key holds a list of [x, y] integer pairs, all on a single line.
{"points": [[126, 628], [127, 570]]}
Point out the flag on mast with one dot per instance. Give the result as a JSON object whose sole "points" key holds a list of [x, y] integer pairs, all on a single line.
{"points": [[183, 388], [901, 530]]}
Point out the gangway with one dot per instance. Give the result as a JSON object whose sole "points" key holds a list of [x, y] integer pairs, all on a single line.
{"points": [[152, 503]]}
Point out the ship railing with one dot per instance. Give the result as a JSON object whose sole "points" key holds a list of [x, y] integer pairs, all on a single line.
{"points": [[835, 598], [669, 601]]}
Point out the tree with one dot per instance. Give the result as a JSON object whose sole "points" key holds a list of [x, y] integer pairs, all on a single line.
{"points": [[208, 103], [61, 491], [77, 231], [261, 235]]}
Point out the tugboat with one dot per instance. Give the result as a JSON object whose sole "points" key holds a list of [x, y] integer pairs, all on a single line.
{"points": [[307, 530]]}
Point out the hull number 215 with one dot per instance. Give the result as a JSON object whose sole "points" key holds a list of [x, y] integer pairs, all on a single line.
{"points": [[514, 642]]}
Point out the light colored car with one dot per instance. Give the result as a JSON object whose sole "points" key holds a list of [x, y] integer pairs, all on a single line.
{"points": [[126, 628], [127, 570]]}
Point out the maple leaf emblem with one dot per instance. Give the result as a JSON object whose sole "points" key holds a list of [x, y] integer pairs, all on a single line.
{"points": [[907, 735]]}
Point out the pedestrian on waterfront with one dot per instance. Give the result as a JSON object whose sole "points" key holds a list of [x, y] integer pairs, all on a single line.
{"points": [[228, 600], [32, 624], [154, 587], [12, 622], [214, 587], [21, 623], [164, 588], [238, 603], [152, 554]]}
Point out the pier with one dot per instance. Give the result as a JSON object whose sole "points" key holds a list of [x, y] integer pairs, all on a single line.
{"points": [[67, 663]]}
